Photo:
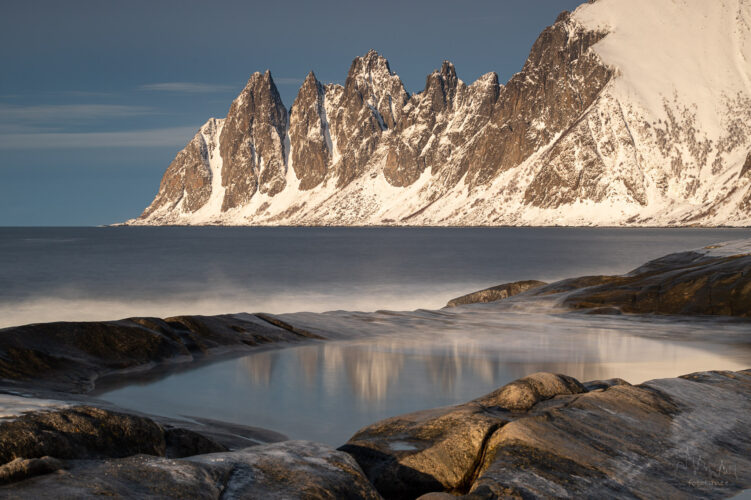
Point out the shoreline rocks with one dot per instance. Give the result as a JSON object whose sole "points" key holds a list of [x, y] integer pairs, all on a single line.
{"points": [[712, 281], [495, 293], [71, 356]]}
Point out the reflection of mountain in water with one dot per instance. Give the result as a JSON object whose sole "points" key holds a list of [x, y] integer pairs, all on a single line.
{"points": [[371, 372], [444, 351], [258, 369]]}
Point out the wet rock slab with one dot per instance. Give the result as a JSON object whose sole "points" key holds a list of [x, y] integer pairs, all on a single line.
{"points": [[548, 436], [293, 469]]}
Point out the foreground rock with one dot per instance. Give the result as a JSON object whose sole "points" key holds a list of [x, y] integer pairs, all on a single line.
{"points": [[293, 469], [82, 451], [709, 281], [548, 436], [70, 356], [89, 432], [440, 449]]}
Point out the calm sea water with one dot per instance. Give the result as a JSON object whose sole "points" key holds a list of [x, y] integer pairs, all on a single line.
{"points": [[52, 274], [400, 361], [424, 359]]}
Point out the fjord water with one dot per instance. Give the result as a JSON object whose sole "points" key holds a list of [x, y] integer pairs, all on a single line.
{"points": [[397, 361], [50, 274]]}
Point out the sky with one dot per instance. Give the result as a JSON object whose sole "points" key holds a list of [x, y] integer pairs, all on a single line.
{"points": [[97, 96]]}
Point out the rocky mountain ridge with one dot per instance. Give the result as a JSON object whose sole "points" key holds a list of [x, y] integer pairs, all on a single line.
{"points": [[615, 119]]}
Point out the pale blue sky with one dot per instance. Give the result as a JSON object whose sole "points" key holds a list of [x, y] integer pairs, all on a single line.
{"points": [[96, 97]]}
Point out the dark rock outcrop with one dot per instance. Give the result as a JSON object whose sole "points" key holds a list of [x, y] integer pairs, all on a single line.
{"points": [[548, 436], [70, 356], [495, 293], [88, 432], [294, 469], [684, 283]]}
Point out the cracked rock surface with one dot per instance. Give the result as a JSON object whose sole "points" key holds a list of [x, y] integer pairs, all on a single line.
{"points": [[548, 436]]}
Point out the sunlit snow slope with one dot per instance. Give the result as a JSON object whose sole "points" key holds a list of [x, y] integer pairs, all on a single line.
{"points": [[627, 112]]}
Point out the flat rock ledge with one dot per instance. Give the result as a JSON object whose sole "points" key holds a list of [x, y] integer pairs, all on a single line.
{"points": [[549, 436]]}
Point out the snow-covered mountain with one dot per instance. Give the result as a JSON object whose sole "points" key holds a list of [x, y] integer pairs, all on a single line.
{"points": [[627, 112]]}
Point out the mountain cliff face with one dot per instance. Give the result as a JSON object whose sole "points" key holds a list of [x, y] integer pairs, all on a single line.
{"points": [[633, 112]]}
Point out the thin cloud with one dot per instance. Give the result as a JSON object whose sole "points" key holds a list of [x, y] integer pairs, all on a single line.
{"points": [[53, 113], [186, 87], [173, 136]]}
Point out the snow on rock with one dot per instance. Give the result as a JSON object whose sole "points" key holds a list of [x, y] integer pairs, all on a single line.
{"points": [[627, 112]]}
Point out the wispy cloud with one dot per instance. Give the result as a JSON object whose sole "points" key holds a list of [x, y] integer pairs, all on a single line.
{"points": [[53, 113], [186, 87], [173, 136]]}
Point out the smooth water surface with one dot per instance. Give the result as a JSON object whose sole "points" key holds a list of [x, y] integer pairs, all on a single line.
{"points": [[50, 274], [404, 362]]}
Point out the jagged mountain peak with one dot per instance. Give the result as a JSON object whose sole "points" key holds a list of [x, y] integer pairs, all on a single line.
{"points": [[259, 82], [625, 112], [440, 86], [310, 77], [367, 70], [488, 82], [309, 84]]}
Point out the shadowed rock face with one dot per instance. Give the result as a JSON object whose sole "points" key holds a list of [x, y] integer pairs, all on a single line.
{"points": [[548, 436], [494, 293]]}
